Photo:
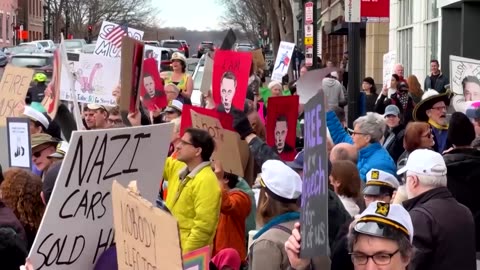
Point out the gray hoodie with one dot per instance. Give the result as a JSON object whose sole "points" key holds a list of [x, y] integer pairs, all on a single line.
{"points": [[333, 90]]}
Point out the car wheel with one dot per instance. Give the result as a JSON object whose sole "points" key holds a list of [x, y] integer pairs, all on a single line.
{"points": [[199, 55]]}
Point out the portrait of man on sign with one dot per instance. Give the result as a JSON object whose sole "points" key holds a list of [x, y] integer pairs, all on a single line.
{"points": [[281, 132], [228, 87], [152, 90], [150, 87]]}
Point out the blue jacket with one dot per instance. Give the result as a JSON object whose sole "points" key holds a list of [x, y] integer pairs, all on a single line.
{"points": [[369, 157]]}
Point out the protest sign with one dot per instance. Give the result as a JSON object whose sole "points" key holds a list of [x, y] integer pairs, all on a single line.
{"points": [[197, 260], [465, 71], [155, 53], [95, 78], [282, 61], [226, 120], [311, 82], [282, 125], [13, 90], [151, 86], [206, 85], [146, 236], [258, 58], [226, 142], [18, 134], [389, 60], [314, 209], [108, 39], [50, 102], [131, 69], [230, 79], [77, 225]]}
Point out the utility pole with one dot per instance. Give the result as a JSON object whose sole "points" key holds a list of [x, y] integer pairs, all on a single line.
{"points": [[67, 19], [353, 71], [310, 40]]}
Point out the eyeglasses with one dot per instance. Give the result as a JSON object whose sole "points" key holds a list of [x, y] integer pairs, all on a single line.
{"points": [[378, 259], [182, 142], [115, 121], [440, 108], [358, 133]]}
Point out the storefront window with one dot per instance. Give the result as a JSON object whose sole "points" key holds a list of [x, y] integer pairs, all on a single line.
{"points": [[404, 45]]}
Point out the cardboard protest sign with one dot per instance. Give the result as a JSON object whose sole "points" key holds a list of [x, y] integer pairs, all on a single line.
{"points": [[389, 60], [226, 142], [258, 58], [314, 207], [50, 102], [229, 40], [206, 86], [197, 260], [282, 114], [96, 77], [131, 69], [77, 225], [19, 150], [13, 90], [282, 61], [109, 41], [311, 82], [151, 86], [465, 71], [230, 79], [226, 120], [146, 236]]}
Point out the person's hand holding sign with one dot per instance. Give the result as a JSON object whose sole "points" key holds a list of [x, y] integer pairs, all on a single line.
{"points": [[292, 247]]}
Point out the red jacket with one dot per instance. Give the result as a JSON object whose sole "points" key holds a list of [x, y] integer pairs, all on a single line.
{"points": [[234, 211]]}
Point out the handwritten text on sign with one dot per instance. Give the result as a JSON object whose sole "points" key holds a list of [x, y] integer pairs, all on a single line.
{"points": [[77, 225], [210, 124], [314, 191], [13, 89], [105, 46], [462, 69], [147, 237]]}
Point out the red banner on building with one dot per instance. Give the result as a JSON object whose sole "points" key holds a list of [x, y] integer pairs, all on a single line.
{"points": [[375, 8]]}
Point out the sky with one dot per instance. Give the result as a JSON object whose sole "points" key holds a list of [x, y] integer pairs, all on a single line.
{"points": [[191, 14]]}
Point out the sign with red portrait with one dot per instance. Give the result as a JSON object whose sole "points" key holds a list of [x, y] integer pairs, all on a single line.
{"points": [[226, 120], [230, 79], [282, 114], [151, 86]]}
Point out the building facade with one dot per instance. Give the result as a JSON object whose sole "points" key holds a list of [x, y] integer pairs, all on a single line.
{"points": [[8, 10], [415, 35], [30, 15]]}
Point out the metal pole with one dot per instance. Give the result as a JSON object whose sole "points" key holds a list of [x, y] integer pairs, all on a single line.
{"points": [[353, 72], [315, 36]]}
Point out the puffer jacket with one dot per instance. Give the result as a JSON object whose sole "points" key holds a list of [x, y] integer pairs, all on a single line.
{"points": [[369, 157], [463, 175], [194, 202], [394, 141]]}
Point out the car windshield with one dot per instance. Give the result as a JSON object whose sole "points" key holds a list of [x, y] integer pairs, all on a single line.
{"points": [[71, 44], [165, 56], [44, 44], [33, 62], [197, 81], [244, 48], [207, 45], [171, 44], [21, 49], [89, 48]]}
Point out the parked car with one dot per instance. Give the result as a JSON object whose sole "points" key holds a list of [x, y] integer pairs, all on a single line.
{"points": [[243, 47], [89, 48], [47, 45], [204, 47], [38, 46], [11, 51], [185, 48], [174, 45], [152, 43], [40, 62], [3, 59], [75, 45], [165, 63]]}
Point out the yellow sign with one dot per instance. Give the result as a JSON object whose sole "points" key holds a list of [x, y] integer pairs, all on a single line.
{"points": [[308, 40]]}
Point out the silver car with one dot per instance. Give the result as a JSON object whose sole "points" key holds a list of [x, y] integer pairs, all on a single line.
{"points": [[75, 45]]}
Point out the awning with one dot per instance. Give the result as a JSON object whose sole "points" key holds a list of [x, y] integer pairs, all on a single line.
{"points": [[341, 29]]}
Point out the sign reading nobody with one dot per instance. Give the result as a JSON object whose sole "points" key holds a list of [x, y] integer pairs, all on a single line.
{"points": [[226, 142], [13, 89], [314, 209], [146, 236], [78, 223]]}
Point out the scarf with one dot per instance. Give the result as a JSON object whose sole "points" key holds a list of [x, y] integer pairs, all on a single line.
{"points": [[403, 97], [437, 126], [277, 220]]}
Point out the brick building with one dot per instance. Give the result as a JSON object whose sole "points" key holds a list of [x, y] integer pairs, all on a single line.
{"points": [[30, 15], [7, 21]]}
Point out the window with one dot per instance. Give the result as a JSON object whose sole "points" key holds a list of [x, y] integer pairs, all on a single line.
{"points": [[404, 45], [432, 42], [432, 10], [8, 27], [1, 25], [406, 12]]}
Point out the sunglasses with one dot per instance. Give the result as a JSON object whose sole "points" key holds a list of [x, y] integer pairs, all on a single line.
{"points": [[37, 154]]}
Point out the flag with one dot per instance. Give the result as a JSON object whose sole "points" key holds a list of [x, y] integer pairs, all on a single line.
{"points": [[115, 36]]}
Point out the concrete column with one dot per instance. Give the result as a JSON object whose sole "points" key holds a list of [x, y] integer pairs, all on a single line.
{"points": [[377, 37], [469, 30]]}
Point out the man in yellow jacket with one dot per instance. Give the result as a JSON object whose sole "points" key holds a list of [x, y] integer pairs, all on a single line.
{"points": [[194, 195]]}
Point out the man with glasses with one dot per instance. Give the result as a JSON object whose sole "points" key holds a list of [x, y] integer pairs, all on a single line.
{"points": [[194, 194], [444, 229], [43, 146], [114, 118], [433, 110]]}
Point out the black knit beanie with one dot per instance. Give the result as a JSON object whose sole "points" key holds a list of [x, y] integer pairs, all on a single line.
{"points": [[460, 130]]}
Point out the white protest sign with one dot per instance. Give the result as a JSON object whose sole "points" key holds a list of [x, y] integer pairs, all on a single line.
{"points": [[18, 132], [464, 69], [95, 78], [105, 42], [389, 60], [153, 52], [284, 57], [78, 223]]}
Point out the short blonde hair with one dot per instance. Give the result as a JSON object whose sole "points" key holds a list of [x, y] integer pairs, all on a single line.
{"points": [[272, 84]]}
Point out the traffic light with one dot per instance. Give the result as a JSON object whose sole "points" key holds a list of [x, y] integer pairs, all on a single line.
{"points": [[90, 28]]}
